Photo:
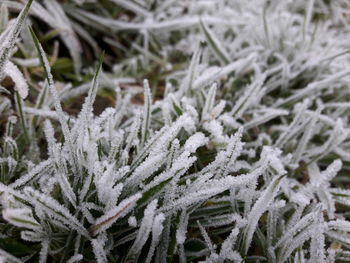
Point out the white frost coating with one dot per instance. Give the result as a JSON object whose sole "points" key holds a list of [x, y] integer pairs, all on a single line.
{"points": [[98, 248], [66, 188], [157, 229], [332, 170], [132, 221], [136, 8], [57, 104], [195, 141], [44, 252], [75, 258], [206, 237], [216, 130], [272, 157], [184, 121], [17, 77], [5, 256], [146, 169], [145, 227], [226, 251], [278, 57], [111, 216], [317, 247], [179, 166], [209, 102], [9, 40], [259, 208], [55, 210], [181, 230], [30, 175], [214, 187], [21, 217], [146, 112], [56, 18], [218, 109], [220, 72], [301, 224], [249, 97]]}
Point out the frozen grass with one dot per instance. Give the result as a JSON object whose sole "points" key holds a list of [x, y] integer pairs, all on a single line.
{"points": [[236, 148]]}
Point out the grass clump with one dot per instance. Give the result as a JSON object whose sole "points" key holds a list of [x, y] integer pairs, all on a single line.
{"points": [[237, 154]]}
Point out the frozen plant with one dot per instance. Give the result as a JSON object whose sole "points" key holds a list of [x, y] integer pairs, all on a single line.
{"points": [[244, 158]]}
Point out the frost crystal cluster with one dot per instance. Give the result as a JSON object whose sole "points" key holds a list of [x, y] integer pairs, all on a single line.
{"points": [[236, 148]]}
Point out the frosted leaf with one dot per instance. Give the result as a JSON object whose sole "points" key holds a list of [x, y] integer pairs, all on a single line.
{"points": [[107, 192], [132, 221], [337, 136], [5, 257], [115, 146], [166, 113], [8, 43], [206, 238], [317, 247], [300, 198], [335, 235], [21, 217], [157, 229], [229, 121], [272, 157], [314, 86], [317, 179], [146, 169], [267, 116], [226, 251], [4, 17], [136, 8], [195, 141], [130, 140], [145, 228], [216, 130], [168, 134], [215, 44], [98, 248], [179, 167], [339, 224], [17, 77], [233, 150], [31, 236], [7, 190], [41, 112], [146, 112], [55, 17], [209, 102], [44, 252], [218, 109], [181, 230], [152, 146], [301, 224], [75, 258], [300, 109], [86, 111], [57, 104], [105, 221], [296, 242], [217, 73], [66, 188], [259, 208], [187, 83], [214, 187], [55, 210], [248, 98]]}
